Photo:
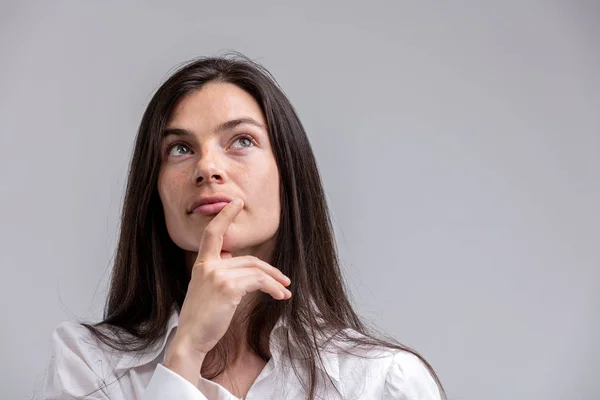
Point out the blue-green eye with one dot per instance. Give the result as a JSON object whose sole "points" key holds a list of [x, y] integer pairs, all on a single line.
{"points": [[248, 139], [175, 145]]}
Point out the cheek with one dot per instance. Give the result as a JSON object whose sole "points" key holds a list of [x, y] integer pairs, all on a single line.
{"points": [[261, 186], [170, 192], [268, 193]]}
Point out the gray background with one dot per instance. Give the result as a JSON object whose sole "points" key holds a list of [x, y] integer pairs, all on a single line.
{"points": [[459, 145]]}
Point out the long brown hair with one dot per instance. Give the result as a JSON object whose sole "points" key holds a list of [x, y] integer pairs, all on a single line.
{"points": [[150, 277]]}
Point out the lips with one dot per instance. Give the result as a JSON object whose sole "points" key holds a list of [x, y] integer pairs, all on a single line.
{"points": [[209, 205], [209, 209]]}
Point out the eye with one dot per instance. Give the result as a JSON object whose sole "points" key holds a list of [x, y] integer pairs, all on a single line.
{"points": [[246, 139], [174, 145]]}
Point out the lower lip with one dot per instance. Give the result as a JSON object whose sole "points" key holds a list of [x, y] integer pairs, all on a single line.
{"points": [[208, 209]]}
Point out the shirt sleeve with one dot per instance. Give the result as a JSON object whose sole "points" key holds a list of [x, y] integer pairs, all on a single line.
{"points": [[409, 379], [166, 384]]}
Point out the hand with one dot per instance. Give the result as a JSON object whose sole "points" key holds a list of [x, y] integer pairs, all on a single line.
{"points": [[217, 286]]}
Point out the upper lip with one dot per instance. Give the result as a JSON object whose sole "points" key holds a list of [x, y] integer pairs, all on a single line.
{"points": [[208, 200]]}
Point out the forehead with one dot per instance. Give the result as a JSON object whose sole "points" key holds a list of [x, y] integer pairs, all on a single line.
{"points": [[213, 104]]}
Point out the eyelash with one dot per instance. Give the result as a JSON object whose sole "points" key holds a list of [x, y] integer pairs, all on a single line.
{"points": [[243, 136]]}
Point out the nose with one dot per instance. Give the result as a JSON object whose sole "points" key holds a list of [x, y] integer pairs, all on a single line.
{"points": [[208, 168]]}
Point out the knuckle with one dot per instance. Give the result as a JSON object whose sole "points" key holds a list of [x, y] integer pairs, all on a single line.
{"points": [[199, 268], [260, 275], [218, 276], [221, 282], [227, 287], [250, 259], [202, 267]]}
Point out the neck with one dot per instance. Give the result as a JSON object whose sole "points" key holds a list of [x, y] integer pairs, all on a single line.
{"points": [[233, 344]]}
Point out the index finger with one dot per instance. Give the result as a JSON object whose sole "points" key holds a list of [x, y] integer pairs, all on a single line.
{"points": [[212, 238]]}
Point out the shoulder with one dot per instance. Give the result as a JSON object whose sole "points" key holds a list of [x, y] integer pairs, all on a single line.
{"points": [[79, 363], [74, 339], [73, 342], [388, 372], [408, 377], [70, 330]]}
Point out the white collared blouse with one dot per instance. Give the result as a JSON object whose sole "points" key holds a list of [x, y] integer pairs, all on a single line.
{"points": [[81, 364]]}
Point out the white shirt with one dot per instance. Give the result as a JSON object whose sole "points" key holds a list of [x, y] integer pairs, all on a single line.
{"points": [[81, 364]]}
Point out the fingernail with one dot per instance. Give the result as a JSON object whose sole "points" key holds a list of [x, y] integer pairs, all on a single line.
{"points": [[236, 202]]}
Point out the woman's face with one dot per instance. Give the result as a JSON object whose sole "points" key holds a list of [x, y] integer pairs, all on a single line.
{"points": [[208, 158]]}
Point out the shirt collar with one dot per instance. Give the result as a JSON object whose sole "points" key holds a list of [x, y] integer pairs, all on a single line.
{"points": [[277, 339]]}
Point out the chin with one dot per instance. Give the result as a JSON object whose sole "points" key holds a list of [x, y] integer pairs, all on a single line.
{"points": [[231, 245]]}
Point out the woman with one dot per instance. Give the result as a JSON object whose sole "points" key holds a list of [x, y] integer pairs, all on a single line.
{"points": [[226, 283]]}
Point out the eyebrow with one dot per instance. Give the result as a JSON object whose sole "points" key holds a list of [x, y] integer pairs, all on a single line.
{"points": [[225, 126]]}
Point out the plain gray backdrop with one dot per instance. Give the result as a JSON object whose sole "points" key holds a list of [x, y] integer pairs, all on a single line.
{"points": [[459, 146]]}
